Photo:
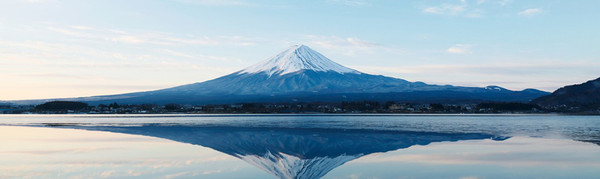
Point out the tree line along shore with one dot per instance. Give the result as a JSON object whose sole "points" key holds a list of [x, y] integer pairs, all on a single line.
{"points": [[73, 107]]}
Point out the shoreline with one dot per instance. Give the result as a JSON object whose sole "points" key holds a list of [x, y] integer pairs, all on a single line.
{"points": [[298, 114]]}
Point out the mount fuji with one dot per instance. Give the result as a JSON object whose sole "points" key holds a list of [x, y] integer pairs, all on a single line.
{"points": [[301, 74]]}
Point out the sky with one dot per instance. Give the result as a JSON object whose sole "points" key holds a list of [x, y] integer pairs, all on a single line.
{"points": [[74, 48]]}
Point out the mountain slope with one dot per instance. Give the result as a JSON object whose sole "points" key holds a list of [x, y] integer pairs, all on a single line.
{"points": [[586, 95], [300, 74]]}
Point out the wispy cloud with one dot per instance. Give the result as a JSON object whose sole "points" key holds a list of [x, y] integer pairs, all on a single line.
{"points": [[218, 2], [176, 53], [464, 8], [355, 3], [131, 39], [70, 32], [450, 9], [460, 49], [494, 69], [80, 27], [498, 2], [37, 1], [504, 2], [530, 12], [336, 42], [509, 75], [155, 38], [115, 67], [348, 46], [58, 75]]}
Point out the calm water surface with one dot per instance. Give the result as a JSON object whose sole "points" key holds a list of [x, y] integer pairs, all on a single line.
{"points": [[299, 146]]}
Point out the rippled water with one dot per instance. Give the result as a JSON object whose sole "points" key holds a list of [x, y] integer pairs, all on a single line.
{"points": [[299, 146]]}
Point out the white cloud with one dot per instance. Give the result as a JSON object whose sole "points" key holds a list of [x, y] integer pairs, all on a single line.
{"points": [[358, 42], [464, 8], [107, 174], [37, 1], [460, 49], [349, 46], [129, 39], [80, 27], [337, 42], [155, 38], [476, 13], [70, 32], [355, 3], [166, 39], [504, 2], [508, 75], [336, 47], [116, 59], [177, 53], [218, 2], [446, 9], [530, 12]]}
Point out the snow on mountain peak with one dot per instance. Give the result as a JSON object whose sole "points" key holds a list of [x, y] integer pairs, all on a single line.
{"points": [[296, 58]]}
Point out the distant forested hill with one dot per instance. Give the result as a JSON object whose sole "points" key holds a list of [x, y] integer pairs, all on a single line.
{"points": [[585, 95]]}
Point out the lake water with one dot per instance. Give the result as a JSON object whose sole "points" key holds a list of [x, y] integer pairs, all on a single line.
{"points": [[299, 146]]}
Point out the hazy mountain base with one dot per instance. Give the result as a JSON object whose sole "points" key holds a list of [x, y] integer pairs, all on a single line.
{"points": [[310, 86], [445, 97]]}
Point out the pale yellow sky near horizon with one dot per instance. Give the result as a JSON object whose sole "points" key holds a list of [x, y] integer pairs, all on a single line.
{"points": [[67, 48]]}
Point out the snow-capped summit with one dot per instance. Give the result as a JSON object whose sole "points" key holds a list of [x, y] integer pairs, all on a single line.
{"points": [[296, 58]]}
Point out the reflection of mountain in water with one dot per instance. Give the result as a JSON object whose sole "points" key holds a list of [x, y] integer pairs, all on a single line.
{"points": [[293, 152]]}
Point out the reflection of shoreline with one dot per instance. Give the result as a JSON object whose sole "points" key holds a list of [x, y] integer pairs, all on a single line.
{"points": [[291, 152], [512, 152], [597, 142]]}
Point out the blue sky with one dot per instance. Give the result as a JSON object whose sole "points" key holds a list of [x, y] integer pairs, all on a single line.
{"points": [[70, 48]]}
